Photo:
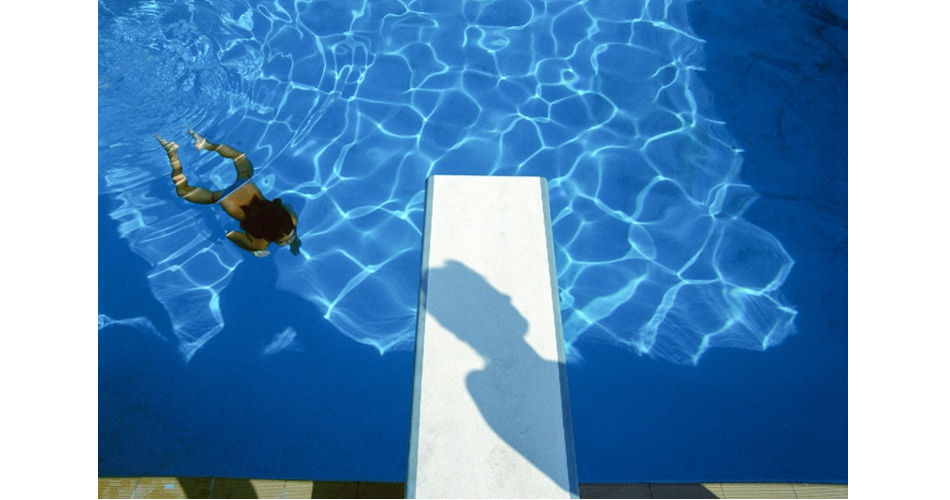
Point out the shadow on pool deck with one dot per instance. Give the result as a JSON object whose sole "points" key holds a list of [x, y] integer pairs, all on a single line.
{"points": [[205, 487], [170, 487]]}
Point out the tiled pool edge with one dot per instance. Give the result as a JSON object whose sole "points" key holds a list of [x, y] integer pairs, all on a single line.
{"points": [[174, 487]]}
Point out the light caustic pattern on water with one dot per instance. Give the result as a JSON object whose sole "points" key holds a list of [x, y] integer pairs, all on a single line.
{"points": [[346, 107]]}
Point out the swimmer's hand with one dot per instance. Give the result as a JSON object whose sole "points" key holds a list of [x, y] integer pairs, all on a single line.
{"points": [[242, 240], [201, 142], [295, 246], [170, 147]]}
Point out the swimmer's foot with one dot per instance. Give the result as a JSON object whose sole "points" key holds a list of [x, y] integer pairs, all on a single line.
{"points": [[201, 142], [170, 147]]}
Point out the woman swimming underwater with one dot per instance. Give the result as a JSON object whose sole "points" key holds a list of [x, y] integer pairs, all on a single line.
{"points": [[263, 221]]}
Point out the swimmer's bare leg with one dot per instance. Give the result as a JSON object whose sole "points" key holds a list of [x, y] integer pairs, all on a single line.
{"points": [[193, 194], [241, 164]]}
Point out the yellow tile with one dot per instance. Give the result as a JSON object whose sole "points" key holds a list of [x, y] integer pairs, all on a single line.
{"points": [[757, 490], [268, 488], [715, 488], [298, 489], [334, 489], [159, 487], [117, 487], [821, 490]]}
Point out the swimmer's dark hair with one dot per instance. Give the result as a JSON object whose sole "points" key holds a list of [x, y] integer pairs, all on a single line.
{"points": [[266, 219]]}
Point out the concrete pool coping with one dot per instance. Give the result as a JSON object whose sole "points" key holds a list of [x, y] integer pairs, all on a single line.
{"points": [[209, 487]]}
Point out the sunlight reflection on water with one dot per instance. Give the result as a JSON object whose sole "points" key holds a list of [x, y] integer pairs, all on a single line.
{"points": [[346, 108]]}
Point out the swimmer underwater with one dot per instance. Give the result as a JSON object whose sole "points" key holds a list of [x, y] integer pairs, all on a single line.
{"points": [[263, 221]]}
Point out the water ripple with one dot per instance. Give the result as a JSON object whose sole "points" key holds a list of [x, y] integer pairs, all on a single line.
{"points": [[346, 107]]}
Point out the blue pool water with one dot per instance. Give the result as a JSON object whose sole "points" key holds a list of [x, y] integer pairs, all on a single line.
{"points": [[696, 158]]}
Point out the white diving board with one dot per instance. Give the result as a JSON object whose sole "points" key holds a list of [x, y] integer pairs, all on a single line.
{"points": [[490, 409]]}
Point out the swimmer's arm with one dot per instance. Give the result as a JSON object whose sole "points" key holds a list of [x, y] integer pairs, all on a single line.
{"points": [[244, 241], [294, 245]]}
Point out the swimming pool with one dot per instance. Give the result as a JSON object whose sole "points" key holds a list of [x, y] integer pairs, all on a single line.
{"points": [[299, 366]]}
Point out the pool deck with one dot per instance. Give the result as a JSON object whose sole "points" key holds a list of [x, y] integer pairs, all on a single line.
{"points": [[206, 487]]}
